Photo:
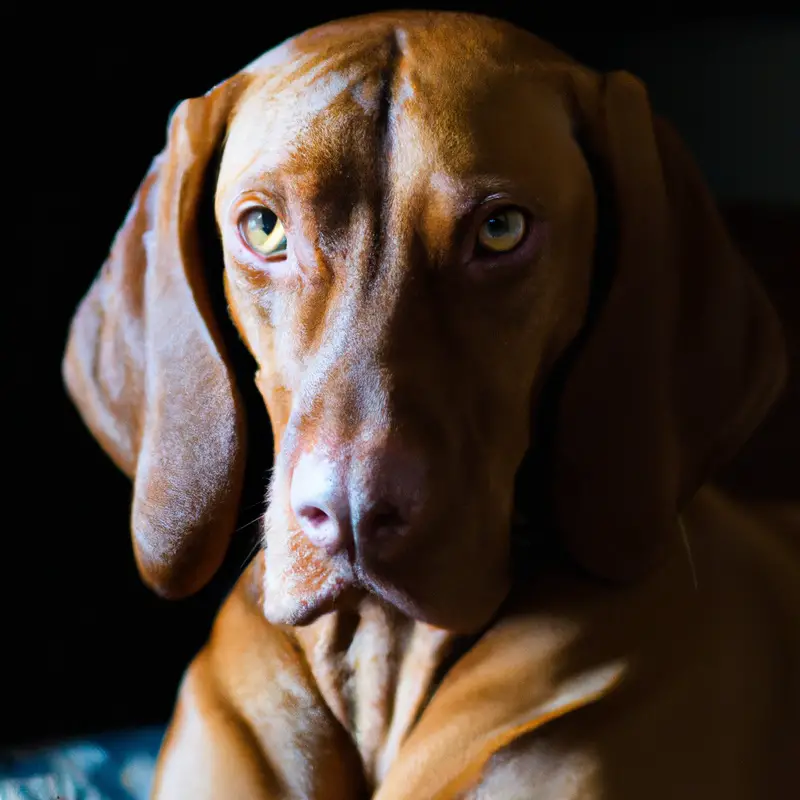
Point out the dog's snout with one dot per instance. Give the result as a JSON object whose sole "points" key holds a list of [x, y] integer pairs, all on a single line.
{"points": [[319, 502], [367, 504]]}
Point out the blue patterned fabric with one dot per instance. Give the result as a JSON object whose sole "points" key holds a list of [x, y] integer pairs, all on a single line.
{"points": [[117, 766]]}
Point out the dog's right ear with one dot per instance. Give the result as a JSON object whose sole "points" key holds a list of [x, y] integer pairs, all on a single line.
{"points": [[145, 365], [683, 360]]}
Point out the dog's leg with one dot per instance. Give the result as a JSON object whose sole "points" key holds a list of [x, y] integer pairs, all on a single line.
{"points": [[208, 751], [250, 721]]}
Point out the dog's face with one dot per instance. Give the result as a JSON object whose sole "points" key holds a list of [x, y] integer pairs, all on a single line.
{"points": [[404, 279], [408, 224]]}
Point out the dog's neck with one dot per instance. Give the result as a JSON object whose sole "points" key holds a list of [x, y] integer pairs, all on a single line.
{"points": [[376, 669]]}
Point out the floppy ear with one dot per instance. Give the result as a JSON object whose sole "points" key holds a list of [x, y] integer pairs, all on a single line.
{"points": [[145, 367], [682, 361]]}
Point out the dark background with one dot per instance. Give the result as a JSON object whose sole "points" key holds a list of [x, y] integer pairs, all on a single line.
{"points": [[83, 645]]}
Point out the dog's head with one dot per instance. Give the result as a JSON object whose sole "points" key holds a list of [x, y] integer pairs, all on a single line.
{"points": [[410, 230]]}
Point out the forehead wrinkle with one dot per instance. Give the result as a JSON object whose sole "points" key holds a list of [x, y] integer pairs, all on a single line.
{"points": [[287, 111], [329, 63], [476, 138], [278, 124], [429, 126], [294, 59], [474, 47]]}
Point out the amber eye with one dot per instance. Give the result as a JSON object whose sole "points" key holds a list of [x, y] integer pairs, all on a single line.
{"points": [[502, 231], [263, 232]]}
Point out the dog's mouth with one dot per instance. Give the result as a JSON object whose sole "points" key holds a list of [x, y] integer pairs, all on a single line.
{"points": [[300, 584], [343, 596], [299, 608]]}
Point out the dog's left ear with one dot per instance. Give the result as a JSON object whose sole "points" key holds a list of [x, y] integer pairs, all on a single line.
{"points": [[683, 360], [146, 366]]}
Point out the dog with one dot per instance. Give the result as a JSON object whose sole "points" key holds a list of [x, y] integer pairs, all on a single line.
{"points": [[504, 340]]}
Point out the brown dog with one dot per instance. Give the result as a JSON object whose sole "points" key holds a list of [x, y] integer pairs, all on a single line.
{"points": [[411, 212]]}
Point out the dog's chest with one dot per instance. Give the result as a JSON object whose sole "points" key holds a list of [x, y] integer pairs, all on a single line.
{"points": [[375, 669]]}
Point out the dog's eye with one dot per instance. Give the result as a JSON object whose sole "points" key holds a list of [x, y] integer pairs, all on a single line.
{"points": [[263, 232], [502, 231]]}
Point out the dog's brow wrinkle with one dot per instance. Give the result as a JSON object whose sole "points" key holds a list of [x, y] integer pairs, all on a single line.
{"points": [[389, 74], [385, 140]]}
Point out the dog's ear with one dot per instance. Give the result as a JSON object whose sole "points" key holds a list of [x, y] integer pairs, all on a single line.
{"points": [[682, 360], [145, 366]]}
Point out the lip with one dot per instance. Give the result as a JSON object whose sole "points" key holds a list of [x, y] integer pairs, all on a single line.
{"points": [[338, 595]]}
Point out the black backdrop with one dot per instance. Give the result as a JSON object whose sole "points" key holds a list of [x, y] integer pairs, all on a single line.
{"points": [[83, 645]]}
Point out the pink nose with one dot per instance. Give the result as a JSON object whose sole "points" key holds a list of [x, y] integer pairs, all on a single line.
{"points": [[369, 505]]}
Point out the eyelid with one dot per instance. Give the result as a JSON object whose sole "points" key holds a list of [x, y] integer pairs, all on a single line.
{"points": [[245, 201]]}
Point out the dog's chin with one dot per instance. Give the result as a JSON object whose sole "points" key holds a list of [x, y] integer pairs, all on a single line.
{"points": [[302, 583], [296, 600], [302, 611], [288, 602]]}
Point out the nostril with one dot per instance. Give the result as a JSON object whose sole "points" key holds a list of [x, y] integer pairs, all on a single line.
{"points": [[386, 519], [313, 516], [320, 528], [382, 520]]}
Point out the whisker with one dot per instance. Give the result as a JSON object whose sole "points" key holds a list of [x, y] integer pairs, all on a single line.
{"points": [[253, 550], [248, 524], [259, 503]]}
